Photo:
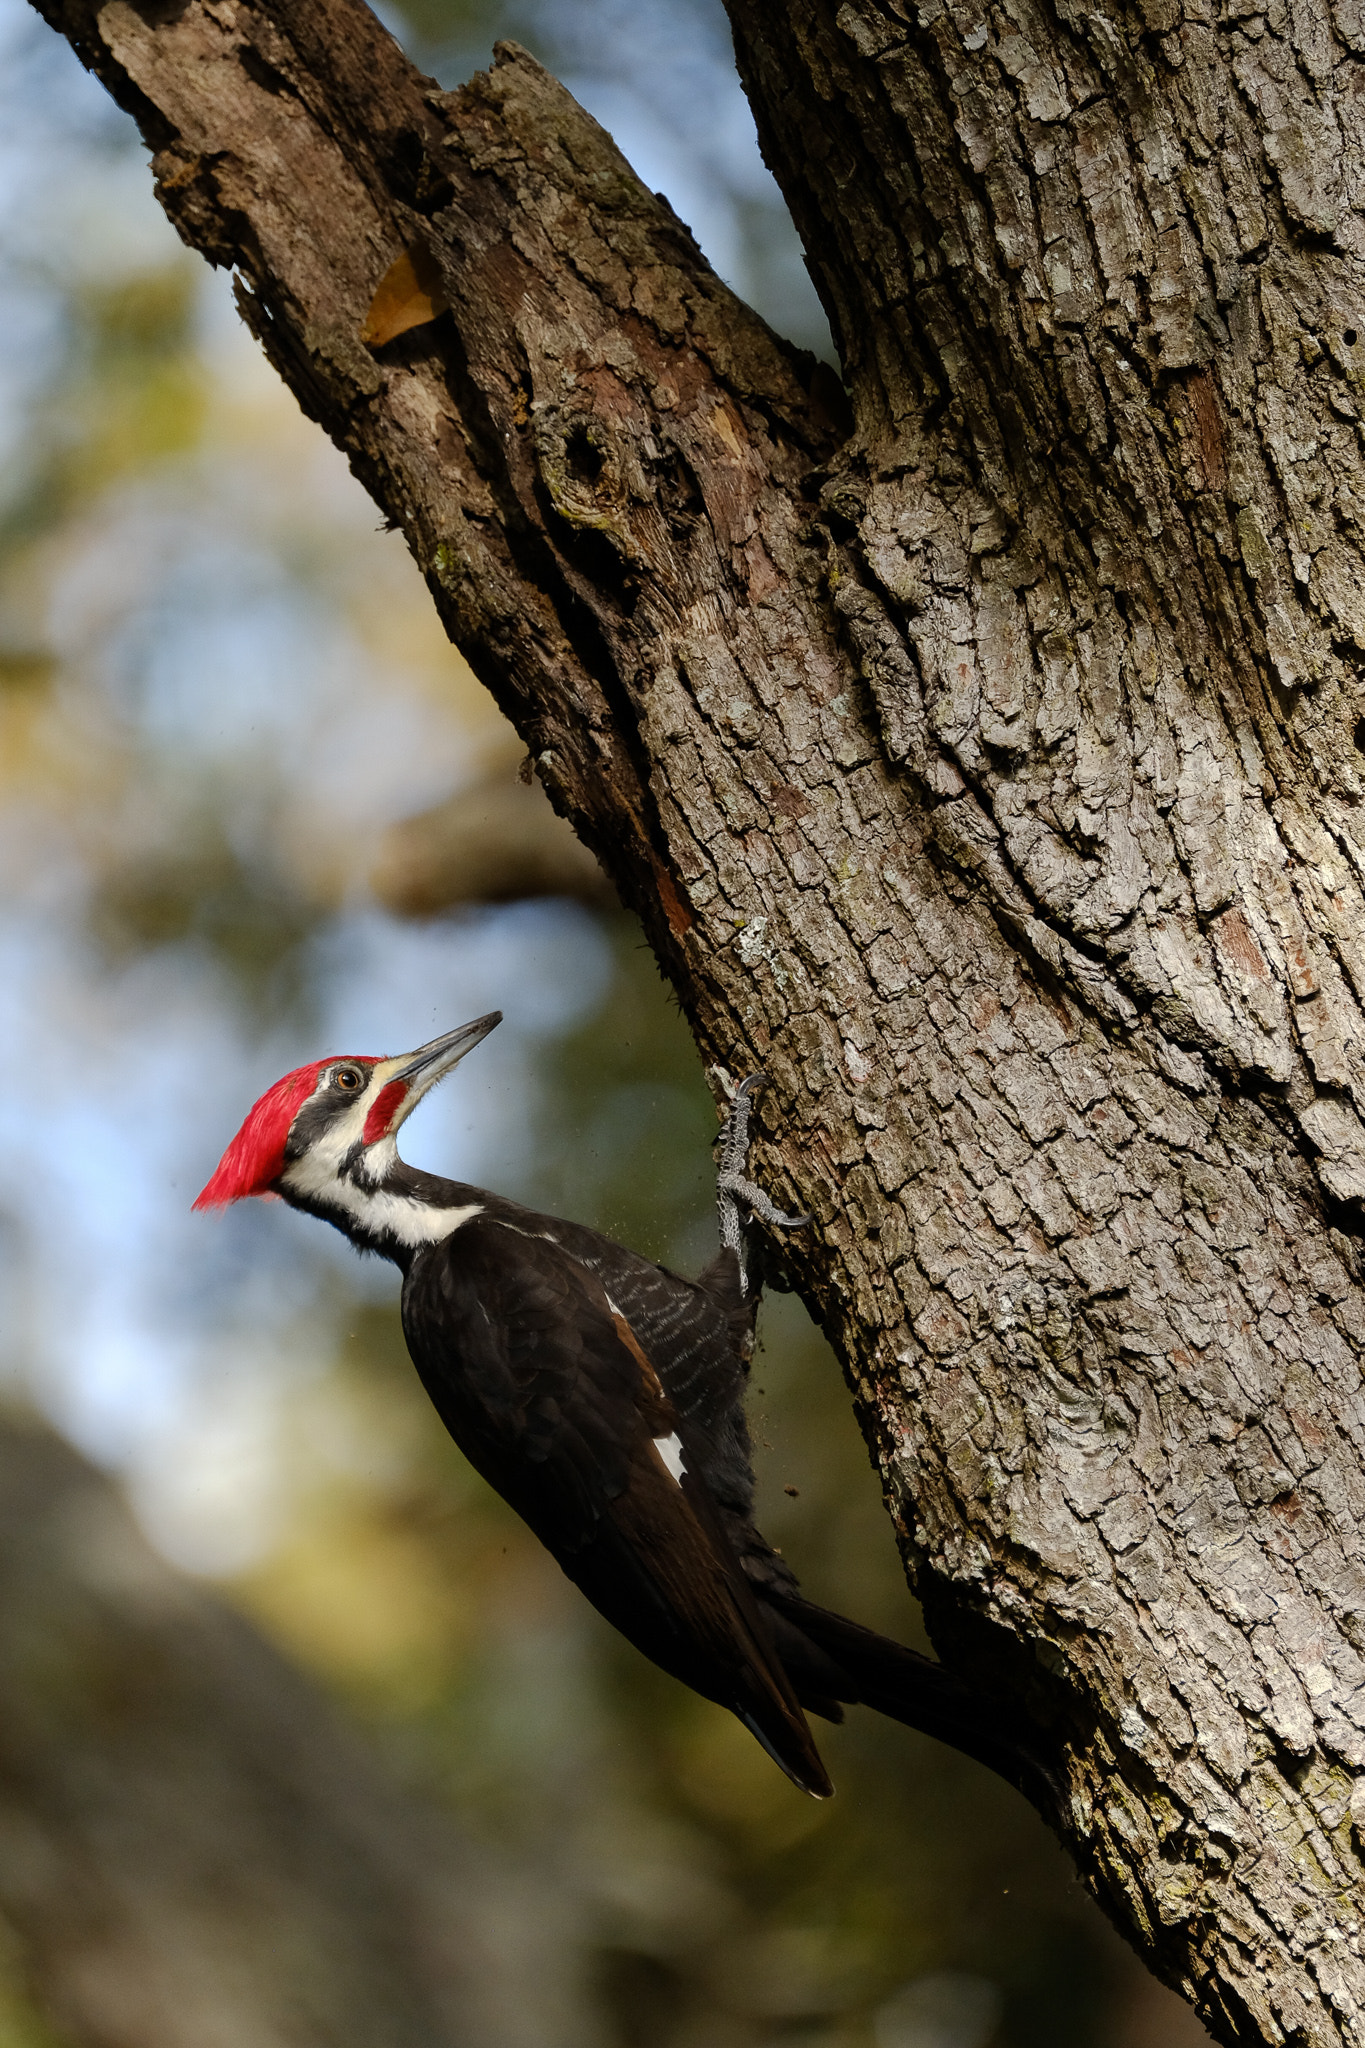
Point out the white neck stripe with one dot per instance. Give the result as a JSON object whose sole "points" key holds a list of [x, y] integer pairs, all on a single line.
{"points": [[406, 1219]]}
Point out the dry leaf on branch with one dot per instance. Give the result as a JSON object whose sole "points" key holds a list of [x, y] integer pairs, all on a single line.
{"points": [[409, 295]]}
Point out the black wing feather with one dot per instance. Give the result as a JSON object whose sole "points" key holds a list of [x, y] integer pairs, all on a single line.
{"points": [[546, 1387]]}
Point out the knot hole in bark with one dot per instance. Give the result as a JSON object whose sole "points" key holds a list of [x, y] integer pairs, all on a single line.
{"points": [[590, 487], [583, 453]]}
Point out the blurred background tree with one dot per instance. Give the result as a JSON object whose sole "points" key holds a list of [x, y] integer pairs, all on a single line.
{"points": [[255, 807]]}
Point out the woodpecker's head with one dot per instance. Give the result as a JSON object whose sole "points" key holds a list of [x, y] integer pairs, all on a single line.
{"points": [[325, 1138]]}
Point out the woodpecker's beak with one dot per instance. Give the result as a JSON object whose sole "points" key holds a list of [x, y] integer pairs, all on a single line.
{"points": [[418, 1071]]}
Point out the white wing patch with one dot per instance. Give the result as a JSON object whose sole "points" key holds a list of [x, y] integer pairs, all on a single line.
{"points": [[670, 1450]]}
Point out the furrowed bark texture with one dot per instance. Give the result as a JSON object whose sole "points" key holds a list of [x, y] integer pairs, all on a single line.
{"points": [[989, 775]]}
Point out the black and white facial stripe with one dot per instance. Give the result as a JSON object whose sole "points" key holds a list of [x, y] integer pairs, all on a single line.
{"points": [[332, 1171]]}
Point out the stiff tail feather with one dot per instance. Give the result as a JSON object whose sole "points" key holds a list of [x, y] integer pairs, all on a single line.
{"points": [[917, 1691], [800, 1761]]}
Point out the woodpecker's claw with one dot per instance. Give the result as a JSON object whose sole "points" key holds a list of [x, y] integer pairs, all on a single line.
{"points": [[733, 1189], [757, 1202]]}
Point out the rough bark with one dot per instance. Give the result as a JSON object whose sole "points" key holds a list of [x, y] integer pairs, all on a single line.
{"points": [[989, 773], [194, 1852]]}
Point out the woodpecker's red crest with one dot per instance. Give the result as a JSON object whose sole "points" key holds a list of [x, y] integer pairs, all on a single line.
{"points": [[334, 1119], [254, 1160]]}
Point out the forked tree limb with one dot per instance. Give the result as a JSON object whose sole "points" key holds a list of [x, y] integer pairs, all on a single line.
{"points": [[987, 772]]}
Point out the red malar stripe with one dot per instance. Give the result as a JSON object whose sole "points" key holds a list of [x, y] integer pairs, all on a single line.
{"points": [[382, 1110]]}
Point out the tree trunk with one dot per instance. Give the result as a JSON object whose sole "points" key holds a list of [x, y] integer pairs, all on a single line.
{"points": [[984, 766]]}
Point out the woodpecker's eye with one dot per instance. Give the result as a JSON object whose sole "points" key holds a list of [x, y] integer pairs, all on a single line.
{"points": [[348, 1078]]}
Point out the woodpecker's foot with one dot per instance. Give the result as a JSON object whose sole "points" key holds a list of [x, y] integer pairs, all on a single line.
{"points": [[736, 1194], [733, 1135]]}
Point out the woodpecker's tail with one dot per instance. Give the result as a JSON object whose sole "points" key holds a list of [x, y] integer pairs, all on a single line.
{"points": [[839, 1660]]}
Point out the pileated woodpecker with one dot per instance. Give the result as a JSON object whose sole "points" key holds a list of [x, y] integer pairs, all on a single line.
{"points": [[602, 1396]]}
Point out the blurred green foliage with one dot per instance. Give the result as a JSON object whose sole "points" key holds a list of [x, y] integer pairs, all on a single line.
{"points": [[126, 391], [198, 889], [138, 376]]}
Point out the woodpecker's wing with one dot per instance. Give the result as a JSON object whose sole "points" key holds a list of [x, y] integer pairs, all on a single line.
{"points": [[698, 1333], [545, 1387]]}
